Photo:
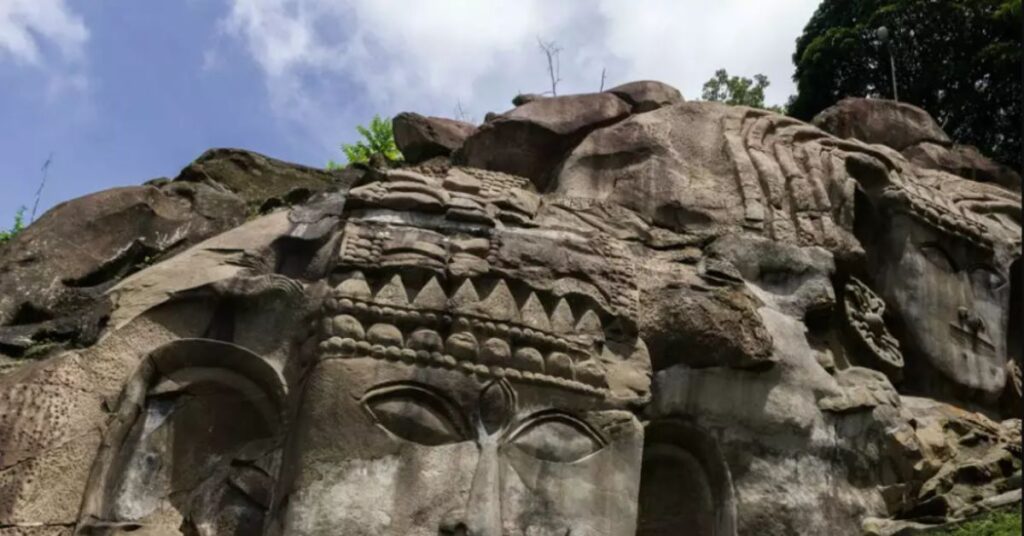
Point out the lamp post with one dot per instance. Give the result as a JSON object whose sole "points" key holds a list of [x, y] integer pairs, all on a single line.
{"points": [[882, 33]]}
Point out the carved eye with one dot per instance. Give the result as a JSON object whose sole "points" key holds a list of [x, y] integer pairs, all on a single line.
{"points": [[987, 278], [938, 257], [416, 414], [557, 437]]}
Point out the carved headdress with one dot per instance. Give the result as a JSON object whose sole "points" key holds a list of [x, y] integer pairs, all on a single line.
{"points": [[444, 268]]}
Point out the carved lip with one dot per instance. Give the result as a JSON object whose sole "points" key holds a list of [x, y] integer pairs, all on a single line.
{"points": [[975, 341]]}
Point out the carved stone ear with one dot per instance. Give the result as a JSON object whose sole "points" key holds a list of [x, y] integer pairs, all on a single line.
{"points": [[195, 440], [869, 172], [685, 482]]}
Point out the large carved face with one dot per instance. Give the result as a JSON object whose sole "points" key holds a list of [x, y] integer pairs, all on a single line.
{"points": [[389, 448], [469, 373], [940, 252], [952, 297]]}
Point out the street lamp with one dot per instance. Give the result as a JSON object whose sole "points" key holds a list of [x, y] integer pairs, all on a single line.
{"points": [[882, 33]]}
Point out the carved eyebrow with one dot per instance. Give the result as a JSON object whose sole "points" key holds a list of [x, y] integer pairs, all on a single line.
{"points": [[427, 395], [942, 251], [556, 415]]}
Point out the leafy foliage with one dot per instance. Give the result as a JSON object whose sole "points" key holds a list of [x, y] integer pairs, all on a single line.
{"points": [[999, 523], [19, 225], [377, 139], [737, 90], [960, 60]]}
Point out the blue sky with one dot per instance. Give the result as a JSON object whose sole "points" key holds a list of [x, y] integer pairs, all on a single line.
{"points": [[122, 91]]}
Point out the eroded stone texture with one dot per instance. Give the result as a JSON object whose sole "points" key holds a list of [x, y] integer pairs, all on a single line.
{"points": [[910, 130], [531, 139], [421, 138], [56, 271], [965, 161], [55, 274], [647, 95], [264, 183], [617, 319], [894, 124]]}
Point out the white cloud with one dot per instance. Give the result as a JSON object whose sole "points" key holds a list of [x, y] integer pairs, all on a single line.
{"points": [[329, 64], [48, 37], [25, 25]]}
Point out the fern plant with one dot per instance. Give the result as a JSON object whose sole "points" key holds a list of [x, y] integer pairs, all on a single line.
{"points": [[19, 225], [377, 139]]}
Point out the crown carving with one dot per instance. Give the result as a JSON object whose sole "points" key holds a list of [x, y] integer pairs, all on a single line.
{"points": [[487, 326]]}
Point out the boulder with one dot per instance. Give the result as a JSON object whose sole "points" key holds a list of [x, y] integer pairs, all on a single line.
{"points": [[963, 160], [56, 271], [895, 124], [264, 183], [647, 153], [968, 461], [647, 95], [421, 137], [532, 139]]}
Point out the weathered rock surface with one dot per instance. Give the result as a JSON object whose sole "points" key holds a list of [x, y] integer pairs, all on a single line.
{"points": [[56, 271], [894, 124], [647, 95], [911, 131], [675, 316], [963, 160], [420, 137], [531, 139], [263, 183]]}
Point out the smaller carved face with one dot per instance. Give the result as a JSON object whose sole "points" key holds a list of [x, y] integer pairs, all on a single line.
{"points": [[953, 301], [387, 448]]}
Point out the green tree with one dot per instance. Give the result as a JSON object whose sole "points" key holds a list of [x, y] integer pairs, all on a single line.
{"points": [[19, 225], [378, 138], [958, 59], [737, 90]]}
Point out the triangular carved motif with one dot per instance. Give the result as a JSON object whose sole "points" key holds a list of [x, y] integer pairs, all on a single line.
{"points": [[561, 318], [590, 325], [354, 287], [534, 315], [431, 296], [465, 297], [393, 293], [499, 304]]}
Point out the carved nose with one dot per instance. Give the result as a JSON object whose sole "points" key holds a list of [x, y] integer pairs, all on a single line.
{"points": [[970, 321], [481, 515]]}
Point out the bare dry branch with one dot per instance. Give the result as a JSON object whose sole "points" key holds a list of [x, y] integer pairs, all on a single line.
{"points": [[551, 51]]}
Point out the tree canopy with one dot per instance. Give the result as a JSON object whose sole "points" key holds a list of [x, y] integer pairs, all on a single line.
{"points": [[737, 90], [960, 60]]}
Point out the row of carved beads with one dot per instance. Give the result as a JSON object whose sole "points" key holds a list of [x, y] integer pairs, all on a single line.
{"points": [[462, 346], [338, 347]]}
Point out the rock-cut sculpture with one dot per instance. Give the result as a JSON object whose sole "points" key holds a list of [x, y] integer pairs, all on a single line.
{"points": [[612, 314]]}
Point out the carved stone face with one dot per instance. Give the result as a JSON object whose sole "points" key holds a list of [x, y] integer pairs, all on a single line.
{"points": [[469, 372], [389, 448], [952, 298]]}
